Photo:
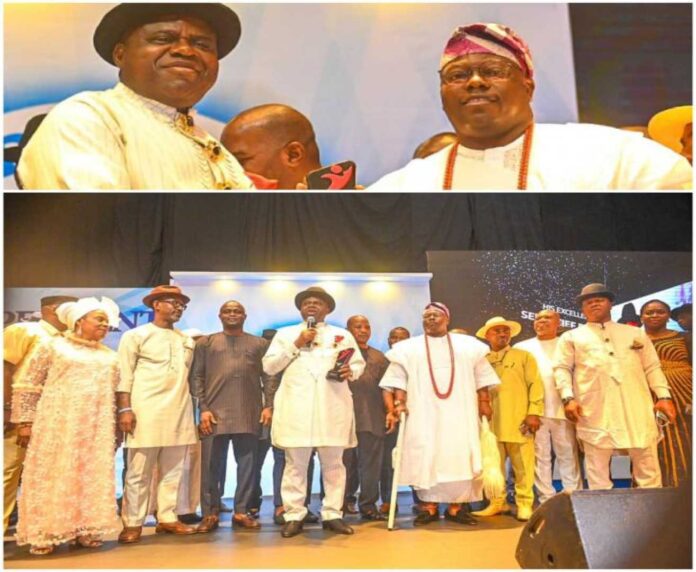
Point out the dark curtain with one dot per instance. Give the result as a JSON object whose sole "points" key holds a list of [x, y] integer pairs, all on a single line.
{"points": [[131, 240]]}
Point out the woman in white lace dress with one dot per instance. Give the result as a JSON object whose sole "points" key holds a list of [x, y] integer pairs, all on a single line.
{"points": [[63, 400]]}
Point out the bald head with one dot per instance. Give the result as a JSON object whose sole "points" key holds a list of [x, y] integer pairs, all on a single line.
{"points": [[274, 141]]}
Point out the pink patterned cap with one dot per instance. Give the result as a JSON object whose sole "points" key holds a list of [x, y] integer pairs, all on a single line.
{"points": [[488, 39], [440, 307]]}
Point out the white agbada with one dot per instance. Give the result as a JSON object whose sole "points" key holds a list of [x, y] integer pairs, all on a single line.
{"points": [[154, 370], [441, 450], [543, 352], [116, 139], [308, 409], [564, 157], [610, 368]]}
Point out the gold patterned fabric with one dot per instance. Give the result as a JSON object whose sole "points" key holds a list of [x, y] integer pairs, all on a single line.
{"points": [[675, 449]]}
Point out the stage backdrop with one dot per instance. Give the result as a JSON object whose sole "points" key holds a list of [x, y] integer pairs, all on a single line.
{"points": [[388, 300], [516, 284], [365, 74]]}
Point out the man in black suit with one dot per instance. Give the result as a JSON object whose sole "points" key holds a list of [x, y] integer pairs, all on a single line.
{"points": [[370, 417], [235, 399]]}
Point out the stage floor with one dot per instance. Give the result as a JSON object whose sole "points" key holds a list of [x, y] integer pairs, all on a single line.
{"points": [[491, 544]]}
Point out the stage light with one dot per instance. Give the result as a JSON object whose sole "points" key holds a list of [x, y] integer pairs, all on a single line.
{"points": [[380, 289], [225, 285], [278, 286]]}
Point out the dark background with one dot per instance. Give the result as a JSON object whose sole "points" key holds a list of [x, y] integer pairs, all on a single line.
{"points": [[479, 285], [136, 239], [631, 60]]}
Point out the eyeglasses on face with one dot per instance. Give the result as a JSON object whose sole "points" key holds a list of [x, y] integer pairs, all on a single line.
{"points": [[173, 302], [490, 72]]}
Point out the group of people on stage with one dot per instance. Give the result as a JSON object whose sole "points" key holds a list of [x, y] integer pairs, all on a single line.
{"points": [[143, 133], [322, 389]]}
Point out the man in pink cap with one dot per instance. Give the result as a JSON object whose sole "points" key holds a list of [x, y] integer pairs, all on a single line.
{"points": [[486, 86], [441, 381]]}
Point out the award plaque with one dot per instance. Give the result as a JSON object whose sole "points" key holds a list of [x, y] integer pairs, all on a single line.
{"points": [[342, 359]]}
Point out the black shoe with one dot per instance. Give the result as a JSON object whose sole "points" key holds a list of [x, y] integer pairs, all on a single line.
{"points": [[190, 518], [292, 528], [372, 515], [462, 517], [279, 518], [337, 525], [311, 518], [425, 517]]}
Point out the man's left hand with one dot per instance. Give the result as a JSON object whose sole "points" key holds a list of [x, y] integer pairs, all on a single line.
{"points": [[485, 409], [345, 372], [266, 416], [666, 406], [533, 423]]}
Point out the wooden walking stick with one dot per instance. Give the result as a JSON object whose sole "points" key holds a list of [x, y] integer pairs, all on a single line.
{"points": [[396, 465]]}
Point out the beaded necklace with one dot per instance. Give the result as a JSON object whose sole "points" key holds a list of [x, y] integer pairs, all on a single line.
{"points": [[521, 175], [430, 369]]}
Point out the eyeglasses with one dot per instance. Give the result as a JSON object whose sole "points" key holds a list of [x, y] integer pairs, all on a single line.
{"points": [[491, 72], [174, 303]]}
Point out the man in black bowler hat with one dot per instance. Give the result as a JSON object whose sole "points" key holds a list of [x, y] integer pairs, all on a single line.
{"points": [[142, 134], [313, 408]]}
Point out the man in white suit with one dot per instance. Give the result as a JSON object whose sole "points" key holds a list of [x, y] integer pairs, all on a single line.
{"points": [[312, 410]]}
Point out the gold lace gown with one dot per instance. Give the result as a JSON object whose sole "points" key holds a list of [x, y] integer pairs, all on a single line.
{"points": [[675, 449]]}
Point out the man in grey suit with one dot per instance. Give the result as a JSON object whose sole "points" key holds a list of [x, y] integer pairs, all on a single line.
{"points": [[227, 379], [370, 416]]}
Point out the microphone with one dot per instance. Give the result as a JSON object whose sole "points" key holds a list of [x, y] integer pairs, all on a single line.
{"points": [[311, 322]]}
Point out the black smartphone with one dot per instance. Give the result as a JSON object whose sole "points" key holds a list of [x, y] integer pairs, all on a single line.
{"points": [[337, 176]]}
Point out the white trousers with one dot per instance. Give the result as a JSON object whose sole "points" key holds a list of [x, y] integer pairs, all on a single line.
{"points": [[142, 464], [557, 435], [189, 495], [293, 487], [646, 466]]}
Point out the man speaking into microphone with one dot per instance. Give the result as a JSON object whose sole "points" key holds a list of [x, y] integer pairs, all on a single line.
{"points": [[313, 407]]}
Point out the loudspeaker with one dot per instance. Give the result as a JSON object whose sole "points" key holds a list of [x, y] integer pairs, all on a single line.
{"points": [[621, 528]]}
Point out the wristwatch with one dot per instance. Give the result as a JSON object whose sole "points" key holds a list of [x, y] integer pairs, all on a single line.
{"points": [[567, 400]]}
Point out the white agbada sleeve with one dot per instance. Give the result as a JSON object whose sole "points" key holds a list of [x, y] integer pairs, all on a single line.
{"points": [[128, 349], [396, 376], [652, 367], [77, 147], [280, 353], [563, 365]]}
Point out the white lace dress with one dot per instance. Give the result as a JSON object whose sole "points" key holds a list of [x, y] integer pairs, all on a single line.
{"points": [[66, 387]]}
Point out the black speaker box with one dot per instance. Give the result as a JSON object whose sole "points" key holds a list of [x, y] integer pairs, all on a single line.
{"points": [[620, 528]]}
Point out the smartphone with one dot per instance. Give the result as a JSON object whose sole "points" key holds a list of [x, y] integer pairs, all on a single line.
{"points": [[337, 176]]}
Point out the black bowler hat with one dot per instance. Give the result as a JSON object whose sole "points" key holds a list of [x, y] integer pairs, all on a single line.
{"points": [[316, 292], [595, 290], [125, 17], [675, 313]]}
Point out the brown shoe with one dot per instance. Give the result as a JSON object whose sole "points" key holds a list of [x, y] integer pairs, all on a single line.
{"points": [[245, 521], [208, 524], [175, 527], [130, 534]]}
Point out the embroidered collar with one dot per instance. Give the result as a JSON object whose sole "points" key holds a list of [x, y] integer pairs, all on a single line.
{"points": [[171, 114]]}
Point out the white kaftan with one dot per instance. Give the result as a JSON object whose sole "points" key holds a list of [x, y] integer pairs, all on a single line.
{"points": [[117, 139], [568, 157], [610, 368], [309, 410], [154, 370], [441, 450]]}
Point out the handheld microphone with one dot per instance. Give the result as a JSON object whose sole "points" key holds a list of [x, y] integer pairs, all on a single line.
{"points": [[311, 323]]}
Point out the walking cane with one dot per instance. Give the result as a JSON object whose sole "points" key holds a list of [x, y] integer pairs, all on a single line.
{"points": [[396, 465]]}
